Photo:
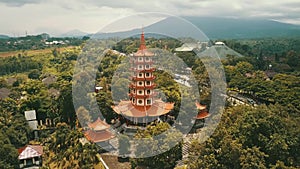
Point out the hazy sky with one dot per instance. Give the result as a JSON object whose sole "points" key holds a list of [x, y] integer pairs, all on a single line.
{"points": [[60, 16]]}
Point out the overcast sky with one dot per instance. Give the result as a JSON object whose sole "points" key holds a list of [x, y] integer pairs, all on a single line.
{"points": [[60, 16]]}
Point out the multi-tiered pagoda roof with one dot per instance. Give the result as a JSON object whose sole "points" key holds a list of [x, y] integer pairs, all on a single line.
{"points": [[143, 102], [98, 131]]}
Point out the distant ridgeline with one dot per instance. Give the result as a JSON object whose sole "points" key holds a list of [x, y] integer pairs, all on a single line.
{"points": [[243, 28]]}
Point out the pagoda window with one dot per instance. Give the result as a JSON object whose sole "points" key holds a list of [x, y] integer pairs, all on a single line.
{"points": [[133, 100], [140, 83], [140, 74], [148, 91], [149, 101], [140, 67], [140, 91], [140, 59], [133, 90], [147, 74], [148, 83], [147, 66], [140, 101], [147, 59]]}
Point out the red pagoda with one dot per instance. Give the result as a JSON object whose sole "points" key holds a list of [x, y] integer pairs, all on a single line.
{"points": [[142, 107]]}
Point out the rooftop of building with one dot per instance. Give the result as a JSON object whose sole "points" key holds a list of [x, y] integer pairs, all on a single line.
{"points": [[158, 108], [30, 151], [98, 125]]}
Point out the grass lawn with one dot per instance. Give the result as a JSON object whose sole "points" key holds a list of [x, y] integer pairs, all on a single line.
{"points": [[34, 52]]}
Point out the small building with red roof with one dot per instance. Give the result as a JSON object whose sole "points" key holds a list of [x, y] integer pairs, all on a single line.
{"points": [[30, 156], [99, 132]]}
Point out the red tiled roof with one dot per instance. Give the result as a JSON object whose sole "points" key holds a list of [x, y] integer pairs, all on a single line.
{"points": [[200, 107], [30, 151], [202, 115], [143, 52], [98, 125], [157, 109], [98, 136]]}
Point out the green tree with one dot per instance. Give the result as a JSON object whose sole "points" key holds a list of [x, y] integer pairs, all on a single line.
{"points": [[18, 131], [69, 152], [250, 138], [164, 160], [105, 102], [66, 107], [252, 158], [3, 83], [34, 74], [83, 116], [244, 67], [293, 59], [9, 154]]}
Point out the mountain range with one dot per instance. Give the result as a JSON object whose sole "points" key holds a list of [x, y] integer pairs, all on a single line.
{"points": [[74, 33], [230, 28], [212, 27], [216, 28], [4, 37]]}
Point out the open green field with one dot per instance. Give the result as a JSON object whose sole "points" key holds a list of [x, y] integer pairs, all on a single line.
{"points": [[35, 52]]}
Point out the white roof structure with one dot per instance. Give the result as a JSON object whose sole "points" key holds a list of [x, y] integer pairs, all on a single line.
{"points": [[33, 124], [98, 87], [30, 151], [219, 51], [186, 47], [219, 43], [30, 115]]}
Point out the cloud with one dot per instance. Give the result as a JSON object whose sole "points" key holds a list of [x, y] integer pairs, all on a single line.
{"points": [[91, 15]]}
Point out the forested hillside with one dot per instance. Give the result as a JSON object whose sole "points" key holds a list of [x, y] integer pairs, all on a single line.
{"points": [[262, 136]]}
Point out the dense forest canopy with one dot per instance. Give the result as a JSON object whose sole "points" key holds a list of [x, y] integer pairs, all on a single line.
{"points": [[263, 136]]}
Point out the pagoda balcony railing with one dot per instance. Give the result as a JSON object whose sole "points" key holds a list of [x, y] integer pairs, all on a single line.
{"points": [[142, 96], [143, 54], [143, 78], [143, 70], [134, 86], [141, 62]]}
